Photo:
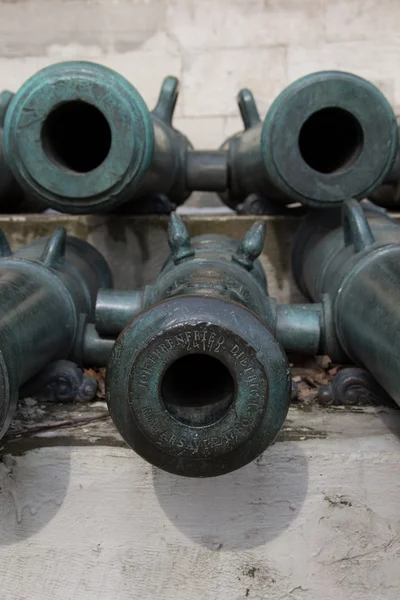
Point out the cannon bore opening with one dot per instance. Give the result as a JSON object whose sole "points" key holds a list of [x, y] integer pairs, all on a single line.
{"points": [[197, 390], [76, 135], [330, 140]]}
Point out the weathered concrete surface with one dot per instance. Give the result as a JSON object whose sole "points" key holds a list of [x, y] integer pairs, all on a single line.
{"points": [[310, 519]]}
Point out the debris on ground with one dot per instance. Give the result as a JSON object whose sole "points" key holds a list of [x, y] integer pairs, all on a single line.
{"points": [[99, 375], [309, 373]]}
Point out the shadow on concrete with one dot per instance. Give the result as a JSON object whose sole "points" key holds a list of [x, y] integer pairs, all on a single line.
{"points": [[33, 484], [240, 510]]}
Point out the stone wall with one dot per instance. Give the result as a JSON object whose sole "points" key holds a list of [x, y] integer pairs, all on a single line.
{"points": [[215, 47]]}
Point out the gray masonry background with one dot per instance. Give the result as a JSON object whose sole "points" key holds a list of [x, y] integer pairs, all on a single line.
{"points": [[213, 46]]}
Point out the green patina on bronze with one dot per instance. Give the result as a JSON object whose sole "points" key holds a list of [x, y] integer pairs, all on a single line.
{"points": [[388, 194], [350, 263], [79, 137], [47, 291], [327, 137], [197, 383], [11, 196], [5, 99]]}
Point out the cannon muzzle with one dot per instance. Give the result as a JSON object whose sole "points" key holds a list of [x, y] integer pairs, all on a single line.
{"points": [[326, 137], [79, 138], [197, 383]]}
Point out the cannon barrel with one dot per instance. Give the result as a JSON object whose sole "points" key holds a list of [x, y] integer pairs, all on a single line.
{"points": [[197, 383], [328, 136], [11, 195], [79, 138], [351, 264], [47, 293], [388, 194]]}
